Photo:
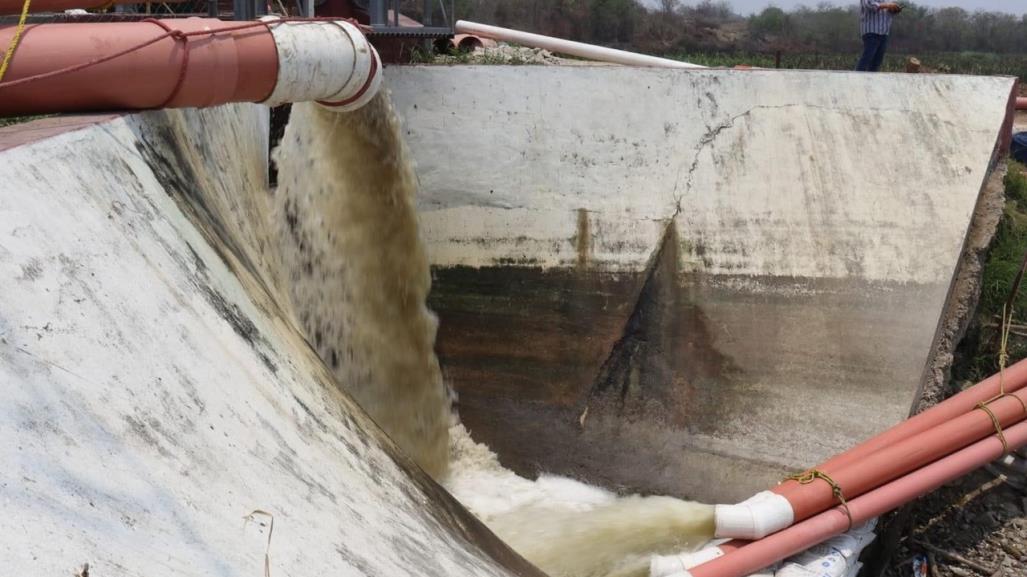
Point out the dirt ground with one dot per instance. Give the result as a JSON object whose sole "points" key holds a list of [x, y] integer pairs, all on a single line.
{"points": [[976, 526]]}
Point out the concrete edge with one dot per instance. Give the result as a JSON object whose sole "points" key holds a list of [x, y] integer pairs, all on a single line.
{"points": [[17, 135], [957, 314], [964, 290]]}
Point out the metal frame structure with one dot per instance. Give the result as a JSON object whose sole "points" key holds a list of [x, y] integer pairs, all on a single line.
{"points": [[246, 9], [379, 13]]}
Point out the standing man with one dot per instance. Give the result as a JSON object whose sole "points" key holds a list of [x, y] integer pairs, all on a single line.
{"points": [[874, 25]]}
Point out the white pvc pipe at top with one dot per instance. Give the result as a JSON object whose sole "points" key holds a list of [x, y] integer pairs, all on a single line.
{"points": [[569, 47]]}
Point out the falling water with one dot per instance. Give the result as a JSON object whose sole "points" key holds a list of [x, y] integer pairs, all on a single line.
{"points": [[358, 279], [357, 272]]}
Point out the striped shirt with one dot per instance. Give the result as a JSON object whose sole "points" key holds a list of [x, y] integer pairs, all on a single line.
{"points": [[872, 19]]}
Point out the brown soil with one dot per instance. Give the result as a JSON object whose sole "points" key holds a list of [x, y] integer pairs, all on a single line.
{"points": [[976, 526]]}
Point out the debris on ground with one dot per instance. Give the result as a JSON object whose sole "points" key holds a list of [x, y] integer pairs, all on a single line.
{"points": [[974, 527], [502, 54]]}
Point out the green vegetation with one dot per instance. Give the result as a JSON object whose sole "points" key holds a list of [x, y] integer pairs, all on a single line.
{"points": [[825, 37], [20, 119], [979, 350], [951, 63]]}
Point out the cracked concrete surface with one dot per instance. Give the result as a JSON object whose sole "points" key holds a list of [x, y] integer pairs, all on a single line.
{"points": [[819, 218]]}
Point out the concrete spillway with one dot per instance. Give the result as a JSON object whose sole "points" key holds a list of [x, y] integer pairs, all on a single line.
{"points": [[154, 392], [676, 282], [737, 274]]}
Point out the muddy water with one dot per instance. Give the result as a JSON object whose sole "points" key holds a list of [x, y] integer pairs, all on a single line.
{"points": [[356, 269], [358, 281]]}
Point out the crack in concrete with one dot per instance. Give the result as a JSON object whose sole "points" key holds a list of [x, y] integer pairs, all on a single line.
{"points": [[707, 139], [713, 132]]}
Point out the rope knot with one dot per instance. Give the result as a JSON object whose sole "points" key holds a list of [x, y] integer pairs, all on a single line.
{"points": [[807, 477]]}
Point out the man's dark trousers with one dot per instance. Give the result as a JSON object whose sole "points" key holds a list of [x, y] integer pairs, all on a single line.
{"points": [[874, 47]]}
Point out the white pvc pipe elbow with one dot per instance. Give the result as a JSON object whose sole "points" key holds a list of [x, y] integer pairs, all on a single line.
{"points": [[754, 518], [676, 565], [329, 62]]}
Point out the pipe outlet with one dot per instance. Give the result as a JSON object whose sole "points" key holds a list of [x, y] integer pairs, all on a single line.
{"points": [[754, 518], [330, 62], [185, 63]]}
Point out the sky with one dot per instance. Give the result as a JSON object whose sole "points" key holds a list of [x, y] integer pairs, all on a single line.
{"points": [[750, 6]]}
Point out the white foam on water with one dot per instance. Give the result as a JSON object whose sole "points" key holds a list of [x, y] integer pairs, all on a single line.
{"points": [[569, 528]]}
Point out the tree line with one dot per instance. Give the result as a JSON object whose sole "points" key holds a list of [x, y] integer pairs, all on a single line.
{"points": [[672, 27]]}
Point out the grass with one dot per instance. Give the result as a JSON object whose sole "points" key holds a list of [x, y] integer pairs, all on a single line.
{"points": [[979, 350]]}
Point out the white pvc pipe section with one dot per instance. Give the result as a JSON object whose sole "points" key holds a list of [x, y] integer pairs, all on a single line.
{"points": [[579, 49], [330, 62], [755, 518]]}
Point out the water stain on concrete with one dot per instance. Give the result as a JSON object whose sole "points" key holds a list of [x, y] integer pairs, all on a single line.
{"points": [[664, 364], [583, 239]]}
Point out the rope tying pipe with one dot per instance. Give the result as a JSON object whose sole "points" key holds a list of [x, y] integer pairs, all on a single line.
{"points": [[807, 477], [1003, 358], [9, 53], [998, 426], [175, 35]]}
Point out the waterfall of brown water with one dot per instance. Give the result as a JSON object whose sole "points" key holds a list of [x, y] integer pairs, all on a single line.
{"points": [[358, 278], [356, 270]]}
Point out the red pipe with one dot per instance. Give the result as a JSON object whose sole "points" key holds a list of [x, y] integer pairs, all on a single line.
{"points": [[15, 6], [797, 538], [1014, 379], [192, 62], [1021, 103], [231, 64], [904, 456], [899, 459]]}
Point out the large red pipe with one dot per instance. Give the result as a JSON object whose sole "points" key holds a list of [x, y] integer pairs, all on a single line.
{"points": [[192, 62], [797, 538], [232, 64], [15, 6], [905, 456], [1021, 103], [1014, 379]]}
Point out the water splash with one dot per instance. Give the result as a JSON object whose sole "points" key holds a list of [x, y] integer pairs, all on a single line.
{"points": [[568, 528]]}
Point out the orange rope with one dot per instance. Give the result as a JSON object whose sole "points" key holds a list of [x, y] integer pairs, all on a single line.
{"points": [[9, 53], [807, 477]]}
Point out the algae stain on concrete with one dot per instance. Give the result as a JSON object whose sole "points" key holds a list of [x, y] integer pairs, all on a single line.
{"points": [[665, 359], [583, 239]]}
